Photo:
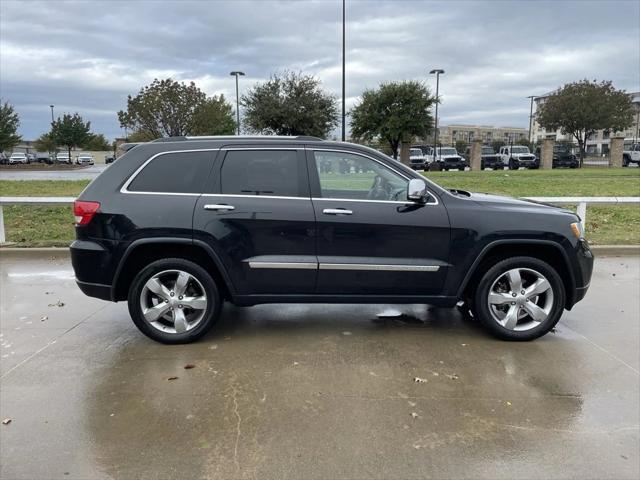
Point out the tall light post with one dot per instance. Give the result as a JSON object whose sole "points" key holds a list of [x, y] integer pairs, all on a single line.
{"points": [[437, 72], [343, 70], [237, 74], [51, 106], [636, 102], [532, 97]]}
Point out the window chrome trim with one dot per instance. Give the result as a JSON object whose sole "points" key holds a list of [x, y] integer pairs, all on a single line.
{"points": [[407, 202], [239, 195], [384, 268], [125, 186], [287, 265], [234, 149], [403, 175]]}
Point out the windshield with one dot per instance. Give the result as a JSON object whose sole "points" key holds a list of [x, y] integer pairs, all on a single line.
{"points": [[520, 150], [447, 151], [487, 151], [415, 152]]}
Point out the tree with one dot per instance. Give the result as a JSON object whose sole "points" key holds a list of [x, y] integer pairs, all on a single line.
{"points": [[71, 131], [524, 142], [167, 108], [9, 123], [496, 144], [395, 112], [290, 104], [97, 142], [461, 146], [581, 108], [45, 143]]}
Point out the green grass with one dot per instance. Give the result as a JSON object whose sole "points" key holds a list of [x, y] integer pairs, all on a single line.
{"points": [[53, 226]]}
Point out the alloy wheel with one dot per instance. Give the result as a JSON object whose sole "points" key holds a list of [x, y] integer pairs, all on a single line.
{"points": [[520, 299], [173, 301]]}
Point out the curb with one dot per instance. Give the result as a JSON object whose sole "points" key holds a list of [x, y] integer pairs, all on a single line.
{"points": [[598, 250]]}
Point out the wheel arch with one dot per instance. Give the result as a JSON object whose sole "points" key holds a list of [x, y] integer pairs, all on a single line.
{"points": [[144, 251], [548, 251]]}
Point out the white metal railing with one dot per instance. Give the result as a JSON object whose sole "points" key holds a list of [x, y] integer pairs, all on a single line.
{"points": [[581, 203]]}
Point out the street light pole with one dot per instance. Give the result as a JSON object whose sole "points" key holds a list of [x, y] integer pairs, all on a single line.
{"points": [[437, 72], [532, 97], [343, 70], [237, 74], [51, 106]]}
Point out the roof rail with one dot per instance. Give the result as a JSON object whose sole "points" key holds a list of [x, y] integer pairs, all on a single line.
{"points": [[237, 137]]}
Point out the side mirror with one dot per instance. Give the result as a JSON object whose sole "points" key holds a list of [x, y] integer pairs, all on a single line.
{"points": [[417, 190]]}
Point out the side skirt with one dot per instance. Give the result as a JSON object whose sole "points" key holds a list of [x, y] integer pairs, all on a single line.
{"points": [[440, 301]]}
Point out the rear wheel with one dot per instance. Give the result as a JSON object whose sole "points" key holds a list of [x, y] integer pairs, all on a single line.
{"points": [[519, 298], [174, 301]]}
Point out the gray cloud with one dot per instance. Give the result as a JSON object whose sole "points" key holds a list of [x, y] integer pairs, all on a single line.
{"points": [[88, 56]]}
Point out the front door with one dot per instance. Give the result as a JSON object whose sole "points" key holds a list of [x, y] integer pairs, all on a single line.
{"points": [[371, 240], [260, 221]]}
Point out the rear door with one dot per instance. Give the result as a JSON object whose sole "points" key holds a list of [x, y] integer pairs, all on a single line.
{"points": [[371, 240], [259, 219]]}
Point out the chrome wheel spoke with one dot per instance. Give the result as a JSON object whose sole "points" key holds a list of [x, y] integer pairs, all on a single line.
{"points": [[496, 298], [535, 312], [511, 319], [179, 320], [154, 313], [515, 280], [158, 288], [197, 303], [540, 286], [181, 283]]}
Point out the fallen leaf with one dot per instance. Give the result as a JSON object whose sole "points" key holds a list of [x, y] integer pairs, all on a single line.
{"points": [[6, 421], [172, 378], [412, 404], [464, 344], [414, 414], [452, 376], [295, 363], [189, 366], [508, 404], [57, 304], [420, 380], [43, 318]]}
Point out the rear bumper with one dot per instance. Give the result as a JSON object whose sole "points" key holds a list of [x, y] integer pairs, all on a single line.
{"points": [[92, 264], [97, 290]]}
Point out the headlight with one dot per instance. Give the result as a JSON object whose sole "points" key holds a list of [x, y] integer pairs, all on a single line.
{"points": [[577, 230]]}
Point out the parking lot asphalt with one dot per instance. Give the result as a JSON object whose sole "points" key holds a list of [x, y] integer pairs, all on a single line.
{"points": [[88, 173], [314, 391]]}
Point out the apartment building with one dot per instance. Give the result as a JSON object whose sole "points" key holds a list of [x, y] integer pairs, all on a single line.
{"points": [[450, 134]]}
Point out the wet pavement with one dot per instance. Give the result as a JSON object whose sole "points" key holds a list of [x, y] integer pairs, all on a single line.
{"points": [[87, 173], [314, 391]]}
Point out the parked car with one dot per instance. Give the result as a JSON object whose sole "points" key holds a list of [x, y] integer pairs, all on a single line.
{"points": [[631, 155], [42, 157], [84, 159], [516, 156], [3, 159], [446, 158], [17, 157], [63, 157], [562, 157], [175, 230], [417, 159], [109, 158], [488, 158], [31, 157]]}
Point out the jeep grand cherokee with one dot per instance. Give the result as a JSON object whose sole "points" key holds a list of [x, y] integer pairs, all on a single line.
{"points": [[176, 227]]}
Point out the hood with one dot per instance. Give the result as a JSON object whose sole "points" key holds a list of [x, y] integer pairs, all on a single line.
{"points": [[502, 201]]}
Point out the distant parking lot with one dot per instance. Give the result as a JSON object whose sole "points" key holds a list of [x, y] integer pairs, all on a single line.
{"points": [[303, 391], [88, 173]]}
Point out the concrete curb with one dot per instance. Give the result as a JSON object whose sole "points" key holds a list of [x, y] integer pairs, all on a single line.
{"points": [[598, 250]]}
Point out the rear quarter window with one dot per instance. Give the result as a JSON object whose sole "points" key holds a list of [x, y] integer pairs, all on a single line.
{"points": [[183, 172]]}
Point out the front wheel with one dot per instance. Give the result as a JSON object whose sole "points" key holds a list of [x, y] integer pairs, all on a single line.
{"points": [[519, 298], [174, 301]]}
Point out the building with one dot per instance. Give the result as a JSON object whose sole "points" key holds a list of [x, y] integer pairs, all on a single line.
{"points": [[450, 134], [598, 143]]}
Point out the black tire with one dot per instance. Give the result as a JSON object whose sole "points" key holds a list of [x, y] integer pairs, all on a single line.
{"points": [[482, 310], [212, 311], [512, 165]]}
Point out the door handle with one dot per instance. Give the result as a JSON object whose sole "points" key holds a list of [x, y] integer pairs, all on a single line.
{"points": [[337, 211], [219, 206]]}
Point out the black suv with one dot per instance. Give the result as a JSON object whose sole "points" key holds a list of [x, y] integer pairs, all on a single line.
{"points": [[177, 226], [488, 158], [562, 157]]}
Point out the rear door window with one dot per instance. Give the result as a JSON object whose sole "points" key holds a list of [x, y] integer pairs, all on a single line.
{"points": [[180, 172], [279, 173]]}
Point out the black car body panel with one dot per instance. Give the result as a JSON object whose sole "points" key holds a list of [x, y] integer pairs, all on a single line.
{"points": [[272, 248]]}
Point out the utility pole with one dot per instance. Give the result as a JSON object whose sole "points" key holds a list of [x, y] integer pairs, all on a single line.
{"points": [[532, 97], [343, 70], [51, 106], [437, 72], [237, 74]]}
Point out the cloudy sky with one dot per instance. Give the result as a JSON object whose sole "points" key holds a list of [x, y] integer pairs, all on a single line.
{"points": [[87, 56]]}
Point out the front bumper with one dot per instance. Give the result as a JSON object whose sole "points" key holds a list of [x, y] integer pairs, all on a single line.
{"points": [[582, 272]]}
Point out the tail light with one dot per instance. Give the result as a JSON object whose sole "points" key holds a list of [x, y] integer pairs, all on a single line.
{"points": [[84, 211]]}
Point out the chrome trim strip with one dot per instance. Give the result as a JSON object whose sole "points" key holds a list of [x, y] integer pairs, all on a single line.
{"points": [[235, 195], [385, 268], [219, 207], [362, 201], [229, 149], [125, 187], [287, 265]]}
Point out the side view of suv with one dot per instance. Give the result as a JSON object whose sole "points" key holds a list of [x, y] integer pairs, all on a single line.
{"points": [[631, 154], [180, 225], [517, 156]]}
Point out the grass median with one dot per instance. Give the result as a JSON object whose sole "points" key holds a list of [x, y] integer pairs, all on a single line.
{"points": [[31, 226]]}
